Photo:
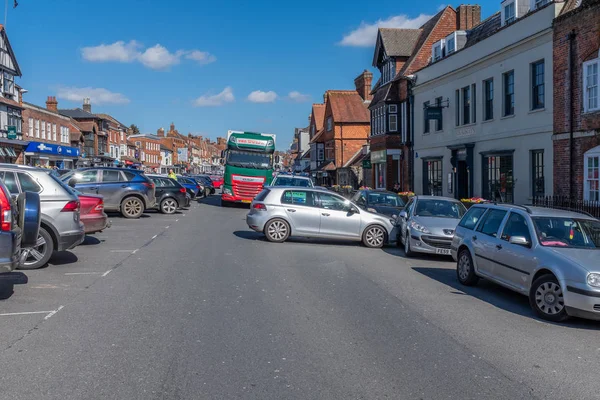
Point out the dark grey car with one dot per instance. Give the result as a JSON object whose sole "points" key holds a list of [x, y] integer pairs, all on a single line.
{"points": [[127, 191]]}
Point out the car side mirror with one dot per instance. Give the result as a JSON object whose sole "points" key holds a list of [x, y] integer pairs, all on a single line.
{"points": [[72, 182], [403, 214], [519, 240], [353, 210]]}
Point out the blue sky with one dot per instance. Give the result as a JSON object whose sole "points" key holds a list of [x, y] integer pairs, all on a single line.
{"points": [[207, 68]]}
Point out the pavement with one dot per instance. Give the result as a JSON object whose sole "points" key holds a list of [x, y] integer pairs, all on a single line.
{"points": [[196, 306]]}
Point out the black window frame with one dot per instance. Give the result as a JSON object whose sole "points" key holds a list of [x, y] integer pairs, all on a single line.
{"points": [[433, 177], [425, 120], [488, 99], [538, 89], [439, 125], [492, 185], [457, 108], [538, 179], [466, 105], [508, 93]]}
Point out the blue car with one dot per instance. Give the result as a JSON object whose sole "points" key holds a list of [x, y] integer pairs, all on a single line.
{"points": [[192, 186]]}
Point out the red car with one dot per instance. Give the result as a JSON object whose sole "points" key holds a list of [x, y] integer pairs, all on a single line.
{"points": [[217, 181], [92, 213]]}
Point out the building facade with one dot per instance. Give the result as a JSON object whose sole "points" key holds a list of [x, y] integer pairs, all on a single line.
{"points": [[577, 100], [149, 151], [483, 110]]}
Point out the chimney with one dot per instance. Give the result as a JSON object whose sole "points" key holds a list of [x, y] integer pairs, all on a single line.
{"points": [[160, 132], [172, 127], [467, 16], [52, 104], [363, 85], [324, 97], [87, 106]]}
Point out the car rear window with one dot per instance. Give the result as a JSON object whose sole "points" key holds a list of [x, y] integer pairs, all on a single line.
{"points": [[262, 195], [129, 175]]}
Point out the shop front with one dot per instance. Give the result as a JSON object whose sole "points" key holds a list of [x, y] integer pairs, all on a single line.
{"points": [[48, 155], [379, 165]]}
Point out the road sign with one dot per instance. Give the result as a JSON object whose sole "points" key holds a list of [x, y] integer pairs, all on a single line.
{"points": [[12, 132]]}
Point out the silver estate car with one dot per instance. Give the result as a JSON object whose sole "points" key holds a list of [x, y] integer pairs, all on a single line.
{"points": [[60, 227], [281, 212], [549, 255], [427, 224]]}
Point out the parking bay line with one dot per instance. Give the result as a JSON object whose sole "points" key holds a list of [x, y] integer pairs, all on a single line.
{"points": [[24, 313], [122, 251], [82, 273]]}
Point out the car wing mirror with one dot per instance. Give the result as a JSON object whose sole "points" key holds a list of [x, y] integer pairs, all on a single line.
{"points": [[72, 182], [403, 214], [520, 240]]}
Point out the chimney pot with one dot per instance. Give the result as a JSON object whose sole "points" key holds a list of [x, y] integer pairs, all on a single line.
{"points": [[87, 106], [51, 103]]}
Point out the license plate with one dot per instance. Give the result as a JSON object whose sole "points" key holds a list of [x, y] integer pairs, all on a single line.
{"points": [[246, 201], [442, 251]]}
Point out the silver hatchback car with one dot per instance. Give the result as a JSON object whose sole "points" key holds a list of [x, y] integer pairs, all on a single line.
{"points": [[60, 227], [549, 255], [281, 212]]}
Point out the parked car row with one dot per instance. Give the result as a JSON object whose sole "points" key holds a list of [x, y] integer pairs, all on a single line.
{"points": [[74, 204], [546, 254]]}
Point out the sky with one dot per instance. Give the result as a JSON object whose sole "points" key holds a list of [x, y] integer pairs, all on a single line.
{"points": [[208, 68]]}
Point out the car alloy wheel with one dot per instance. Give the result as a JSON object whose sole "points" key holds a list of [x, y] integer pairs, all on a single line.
{"points": [[549, 298], [168, 206], [277, 231], [132, 207], [38, 255], [374, 237], [465, 269]]}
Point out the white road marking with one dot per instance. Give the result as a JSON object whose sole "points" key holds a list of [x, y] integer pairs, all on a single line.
{"points": [[154, 237], [82, 273], [24, 313], [106, 273], [53, 312], [121, 251], [176, 220], [167, 227], [135, 251]]}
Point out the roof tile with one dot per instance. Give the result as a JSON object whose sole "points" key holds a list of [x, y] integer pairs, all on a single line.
{"points": [[399, 42], [347, 106]]}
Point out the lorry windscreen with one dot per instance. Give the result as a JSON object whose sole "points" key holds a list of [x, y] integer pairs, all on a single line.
{"points": [[249, 159]]}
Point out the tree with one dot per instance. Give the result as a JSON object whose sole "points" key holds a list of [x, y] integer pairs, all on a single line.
{"points": [[134, 129]]}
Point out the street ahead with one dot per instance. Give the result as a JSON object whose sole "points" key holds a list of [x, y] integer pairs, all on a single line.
{"points": [[196, 306]]}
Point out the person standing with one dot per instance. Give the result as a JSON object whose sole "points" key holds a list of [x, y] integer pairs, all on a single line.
{"points": [[172, 174]]}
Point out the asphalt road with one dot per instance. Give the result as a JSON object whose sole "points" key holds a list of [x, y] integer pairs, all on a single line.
{"points": [[196, 306]]}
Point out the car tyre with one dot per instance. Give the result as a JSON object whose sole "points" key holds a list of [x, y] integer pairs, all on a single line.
{"points": [[132, 207], [465, 270], [277, 230], [374, 237], [168, 206], [39, 255], [546, 299], [407, 251]]}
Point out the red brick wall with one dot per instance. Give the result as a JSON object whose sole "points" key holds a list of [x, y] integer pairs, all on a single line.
{"points": [[45, 118], [584, 22], [349, 139]]}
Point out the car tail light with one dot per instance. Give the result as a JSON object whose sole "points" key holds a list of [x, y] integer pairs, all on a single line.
{"points": [[99, 207], [148, 184], [198, 187], [182, 190], [5, 211], [72, 206], [259, 207]]}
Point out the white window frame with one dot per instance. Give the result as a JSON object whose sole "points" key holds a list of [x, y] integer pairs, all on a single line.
{"points": [[393, 122], [43, 129], [593, 153], [54, 132], [439, 45], [538, 4], [37, 128], [30, 128], [453, 41], [586, 95], [513, 17]]}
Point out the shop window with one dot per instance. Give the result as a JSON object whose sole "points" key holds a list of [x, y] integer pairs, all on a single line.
{"points": [[537, 173], [498, 179]]}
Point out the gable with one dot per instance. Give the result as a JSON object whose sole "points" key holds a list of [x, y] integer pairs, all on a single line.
{"points": [[8, 61]]}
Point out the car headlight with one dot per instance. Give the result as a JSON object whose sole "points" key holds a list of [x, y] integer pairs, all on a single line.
{"points": [[419, 227], [593, 280]]}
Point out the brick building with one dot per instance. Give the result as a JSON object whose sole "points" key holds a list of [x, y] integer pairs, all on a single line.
{"points": [[178, 144], [398, 54], [345, 129], [576, 137], [117, 133], [148, 149], [51, 143]]}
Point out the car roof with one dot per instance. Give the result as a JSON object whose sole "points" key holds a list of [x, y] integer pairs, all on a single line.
{"points": [[423, 197], [111, 169], [25, 167], [537, 211], [378, 191], [293, 176]]}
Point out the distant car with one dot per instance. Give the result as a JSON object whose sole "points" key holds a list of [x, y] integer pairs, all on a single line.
{"points": [[60, 227], [92, 213], [194, 188], [127, 191], [379, 201], [427, 224], [292, 180], [59, 172], [170, 194], [217, 181], [209, 187], [280, 212], [551, 256]]}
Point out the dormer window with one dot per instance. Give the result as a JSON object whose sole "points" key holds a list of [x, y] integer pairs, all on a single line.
{"points": [[455, 41], [512, 10], [509, 13], [438, 50], [451, 45], [540, 3]]}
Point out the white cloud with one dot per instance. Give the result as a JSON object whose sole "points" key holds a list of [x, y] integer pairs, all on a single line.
{"points": [[298, 97], [118, 51], [207, 100], [201, 57], [366, 34], [258, 96], [96, 95], [156, 57]]}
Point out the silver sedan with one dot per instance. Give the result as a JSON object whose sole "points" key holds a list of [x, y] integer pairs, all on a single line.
{"points": [[281, 212]]}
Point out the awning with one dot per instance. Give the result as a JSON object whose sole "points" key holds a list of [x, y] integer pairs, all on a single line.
{"points": [[54, 149]]}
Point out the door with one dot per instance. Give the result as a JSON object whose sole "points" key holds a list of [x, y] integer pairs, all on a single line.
{"points": [[485, 239], [113, 187], [462, 180], [299, 206], [337, 219], [87, 181], [515, 263], [159, 187]]}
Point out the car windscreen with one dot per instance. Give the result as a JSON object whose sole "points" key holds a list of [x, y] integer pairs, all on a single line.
{"points": [[248, 159], [291, 181], [567, 232], [439, 208], [385, 199]]}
